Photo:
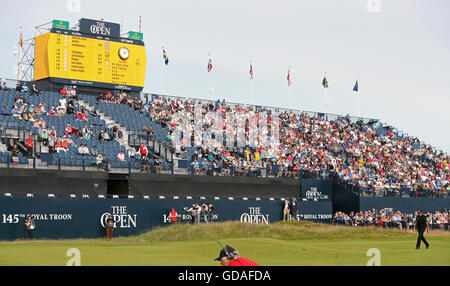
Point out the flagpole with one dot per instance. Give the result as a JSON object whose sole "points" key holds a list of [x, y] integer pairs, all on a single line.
{"points": [[209, 79], [326, 95], [359, 106], [290, 88], [251, 91], [358, 99], [251, 83], [359, 103], [18, 53], [163, 77]]}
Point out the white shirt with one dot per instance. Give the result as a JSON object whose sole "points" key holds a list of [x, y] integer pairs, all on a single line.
{"points": [[63, 102]]}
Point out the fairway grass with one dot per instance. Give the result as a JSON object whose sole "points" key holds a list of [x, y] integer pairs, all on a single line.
{"points": [[279, 244]]}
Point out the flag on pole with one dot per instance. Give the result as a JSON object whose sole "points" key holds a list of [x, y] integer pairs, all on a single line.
{"points": [[251, 70], [325, 82], [289, 77], [165, 57], [21, 40], [209, 65], [355, 88]]}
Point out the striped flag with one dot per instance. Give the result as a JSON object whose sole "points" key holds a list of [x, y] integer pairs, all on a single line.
{"points": [[165, 57], [251, 70], [289, 77], [210, 65]]}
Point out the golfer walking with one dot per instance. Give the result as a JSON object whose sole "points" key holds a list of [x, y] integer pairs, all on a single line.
{"points": [[421, 224]]}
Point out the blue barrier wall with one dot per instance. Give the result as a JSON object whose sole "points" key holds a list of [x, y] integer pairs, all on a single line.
{"points": [[404, 204], [84, 218], [345, 200]]}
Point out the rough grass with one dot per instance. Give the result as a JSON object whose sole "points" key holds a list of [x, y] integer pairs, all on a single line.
{"points": [[295, 230]]}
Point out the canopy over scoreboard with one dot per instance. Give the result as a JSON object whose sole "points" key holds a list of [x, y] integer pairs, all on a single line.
{"points": [[94, 56]]}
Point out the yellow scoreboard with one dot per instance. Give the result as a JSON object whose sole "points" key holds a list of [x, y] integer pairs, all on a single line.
{"points": [[74, 58]]}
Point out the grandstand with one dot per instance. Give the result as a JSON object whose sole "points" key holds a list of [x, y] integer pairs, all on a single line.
{"points": [[89, 136], [28, 114]]}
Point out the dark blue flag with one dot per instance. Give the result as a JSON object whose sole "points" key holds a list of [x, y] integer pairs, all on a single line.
{"points": [[355, 88]]}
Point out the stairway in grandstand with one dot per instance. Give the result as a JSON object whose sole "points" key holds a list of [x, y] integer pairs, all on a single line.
{"points": [[132, 123], [124, 140]]}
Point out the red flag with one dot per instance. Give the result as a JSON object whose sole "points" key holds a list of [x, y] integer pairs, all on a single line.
{"points": [[289, 77], [21, 40], [251, 71]]}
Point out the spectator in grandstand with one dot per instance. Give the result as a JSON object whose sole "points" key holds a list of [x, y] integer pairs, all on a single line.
{"points": [[93, 113], [3, 111], [107, 136], [63, 91], [121, 156], [145, 164], [94, 151], [196, 167], [51, 143], [15, 111], [86, 150], [63, 146], [157, 165], [52, 111], [147, 131], [14, 155], [87, 134], [43, 136], [63, 104], [60, 111], [99, 161], [4, 84], [110, 124], [29, 145], [101, 136], [19, 86], [132, 153], [117, 133], [68, 130], [143, 151], [72, 93], [42, 109], [81, 150], [34, 90], [70, 109]]}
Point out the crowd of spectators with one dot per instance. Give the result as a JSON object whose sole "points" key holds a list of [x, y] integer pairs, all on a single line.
{"points": [[374, 159], [390, 219]]}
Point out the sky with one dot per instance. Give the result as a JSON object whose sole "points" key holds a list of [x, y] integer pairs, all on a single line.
{"points": [[398, 50]]}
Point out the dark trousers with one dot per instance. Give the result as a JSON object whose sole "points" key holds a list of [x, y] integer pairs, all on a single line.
{"points": [[421, 238], [28, 234]]}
